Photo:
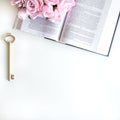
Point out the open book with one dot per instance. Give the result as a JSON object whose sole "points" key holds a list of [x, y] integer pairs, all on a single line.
{"points": [[89, 25]]}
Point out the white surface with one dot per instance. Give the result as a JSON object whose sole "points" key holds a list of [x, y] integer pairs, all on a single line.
{"points": [[54, 81]]}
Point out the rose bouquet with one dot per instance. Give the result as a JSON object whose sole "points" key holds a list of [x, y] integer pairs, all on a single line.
{"points": [[49, 9]]}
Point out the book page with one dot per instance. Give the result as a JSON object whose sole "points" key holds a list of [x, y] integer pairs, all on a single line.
{"points": [[108, 33], [40, 27], [28, 25], [85, 23], [53, 30]]}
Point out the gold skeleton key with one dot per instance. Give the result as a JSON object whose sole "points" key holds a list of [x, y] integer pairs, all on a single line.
{"points": [[8, 38]]}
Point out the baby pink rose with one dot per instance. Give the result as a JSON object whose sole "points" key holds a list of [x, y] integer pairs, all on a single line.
{"points": [[34, 8], [66, 5], [48, 11], [22, 13], [56, 17], [18, 3], [51, 2]]}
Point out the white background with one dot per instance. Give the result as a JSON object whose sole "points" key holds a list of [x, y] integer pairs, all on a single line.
{"points": [[55, 81]]}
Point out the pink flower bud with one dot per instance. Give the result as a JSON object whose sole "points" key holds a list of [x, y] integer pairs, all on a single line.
{"points": [[51, 2], [18, 3], [22, 13]]}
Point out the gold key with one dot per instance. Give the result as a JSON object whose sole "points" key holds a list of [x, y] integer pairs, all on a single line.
{"points": [[9, 39]]}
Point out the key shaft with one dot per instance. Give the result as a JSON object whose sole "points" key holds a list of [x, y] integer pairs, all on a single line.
{"points": [[10, 76]]}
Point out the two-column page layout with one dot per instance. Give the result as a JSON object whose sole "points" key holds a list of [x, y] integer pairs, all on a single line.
{"points": [[89, 25]]}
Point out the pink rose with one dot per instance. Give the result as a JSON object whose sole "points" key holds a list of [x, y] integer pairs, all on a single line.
{"points": [[51, 2], [56, 17], [34, 8], [48, 11], [66, 5], [18, 3], [22, 13]]}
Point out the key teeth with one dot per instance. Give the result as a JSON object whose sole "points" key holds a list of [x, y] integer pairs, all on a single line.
{"points": [[12, 77]]}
